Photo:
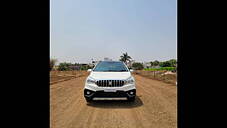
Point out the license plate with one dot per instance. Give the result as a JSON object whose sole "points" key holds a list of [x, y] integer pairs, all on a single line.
{"points": [[110, 90]]}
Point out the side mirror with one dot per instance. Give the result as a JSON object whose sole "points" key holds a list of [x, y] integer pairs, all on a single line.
{"points": [[131, 70], [89, 70]]}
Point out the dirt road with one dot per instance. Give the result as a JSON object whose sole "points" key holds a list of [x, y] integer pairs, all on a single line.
{"points": [[155, 107]]}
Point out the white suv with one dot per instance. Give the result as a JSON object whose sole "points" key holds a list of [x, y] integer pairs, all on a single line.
{"points": [[110, 80]]}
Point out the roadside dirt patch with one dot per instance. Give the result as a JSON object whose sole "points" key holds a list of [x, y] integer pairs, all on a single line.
{"points": [[60, 76], [167, 77]]}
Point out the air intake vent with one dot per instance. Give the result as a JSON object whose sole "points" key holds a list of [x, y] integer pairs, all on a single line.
{"points": [[110, 83]]}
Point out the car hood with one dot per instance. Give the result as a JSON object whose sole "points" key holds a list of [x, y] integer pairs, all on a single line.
{"points": [[110, 75]]}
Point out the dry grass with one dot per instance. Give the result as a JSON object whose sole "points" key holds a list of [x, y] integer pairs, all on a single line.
{"points": [[158, 75], [59, 76]]}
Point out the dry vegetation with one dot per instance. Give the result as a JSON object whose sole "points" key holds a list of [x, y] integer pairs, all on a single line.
{"points": [[59, 76], [164, 76]]}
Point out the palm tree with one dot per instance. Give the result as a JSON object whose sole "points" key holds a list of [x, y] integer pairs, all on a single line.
{"points": [[125, 58]]}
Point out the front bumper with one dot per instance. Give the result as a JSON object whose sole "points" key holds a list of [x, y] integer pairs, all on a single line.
{"points": [[94, 87], [100, 94]]}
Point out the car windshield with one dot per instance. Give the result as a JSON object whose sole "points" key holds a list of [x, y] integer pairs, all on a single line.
{"points": [[110, 66]]}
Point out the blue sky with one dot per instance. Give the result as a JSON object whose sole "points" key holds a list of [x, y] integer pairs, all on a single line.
{"points": [[86, 29]]}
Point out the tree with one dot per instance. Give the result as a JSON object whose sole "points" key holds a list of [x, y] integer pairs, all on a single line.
{"points": [[52, 63], [169, 63], [125, 58], [85, 67], [64, 66], [165, 64], [137, 66], [156, 63], [173, 62], [152, 63]]}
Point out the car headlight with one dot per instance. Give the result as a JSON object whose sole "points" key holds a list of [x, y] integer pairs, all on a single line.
{"points": [[130, 80], [91, 80]]}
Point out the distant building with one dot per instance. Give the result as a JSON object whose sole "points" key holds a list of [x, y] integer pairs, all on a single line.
{"points": [[155, 66], [129, 64], [74, 67], [147, 65]]}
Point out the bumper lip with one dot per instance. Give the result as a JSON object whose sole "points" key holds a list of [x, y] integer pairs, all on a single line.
{"points": [[106, 98], [102, 94], [94, 87]]}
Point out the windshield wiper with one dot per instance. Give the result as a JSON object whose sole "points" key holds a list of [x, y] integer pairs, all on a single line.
{"points": [[122, 70]]}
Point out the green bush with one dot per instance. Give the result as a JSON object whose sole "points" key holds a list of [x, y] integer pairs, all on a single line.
{"points": [[137, 66], [161, 69], [85, 67], [169, 63], [64, 66]]}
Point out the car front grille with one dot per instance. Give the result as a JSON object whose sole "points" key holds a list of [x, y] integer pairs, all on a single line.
{"points": [[110, 83]]}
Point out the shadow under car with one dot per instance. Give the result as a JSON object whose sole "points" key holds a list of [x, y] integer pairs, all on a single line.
{"points": [[116, 103]]}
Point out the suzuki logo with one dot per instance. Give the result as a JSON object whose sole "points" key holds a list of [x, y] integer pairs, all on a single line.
{"points": [[110, 82]]}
